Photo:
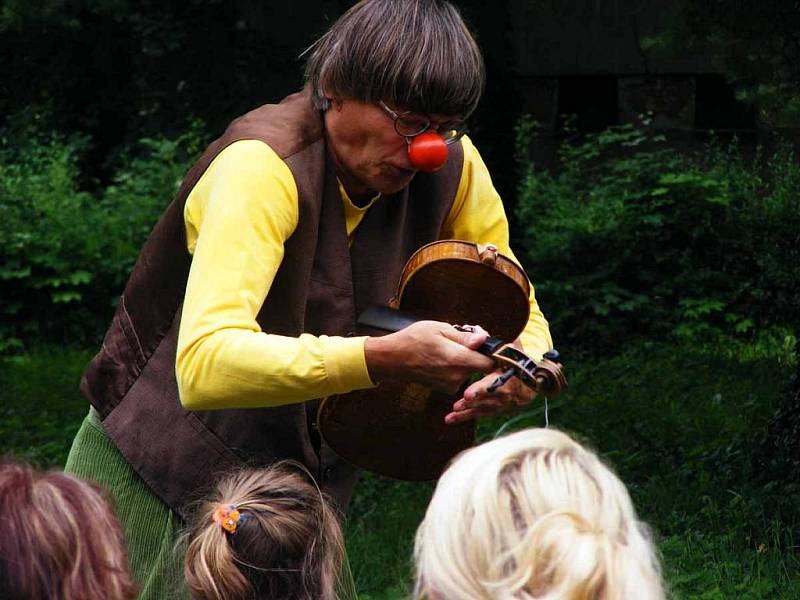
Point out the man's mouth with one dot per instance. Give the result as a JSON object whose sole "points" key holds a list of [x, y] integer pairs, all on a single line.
{"points": [[401, 170]]}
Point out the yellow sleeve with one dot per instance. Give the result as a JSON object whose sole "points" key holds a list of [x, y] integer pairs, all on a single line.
{"points": [[237, 218], [477, 215]]}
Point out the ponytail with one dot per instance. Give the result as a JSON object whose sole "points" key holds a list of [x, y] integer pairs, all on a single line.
{"points": [[210, 567], [264, 533]]}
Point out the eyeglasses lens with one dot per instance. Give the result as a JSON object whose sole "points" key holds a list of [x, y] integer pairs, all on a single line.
{"points": [[411, 125], [452, 131]]}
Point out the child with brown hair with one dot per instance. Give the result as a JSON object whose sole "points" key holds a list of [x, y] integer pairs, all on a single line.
{"points": [[59, 539], [265, 533]]}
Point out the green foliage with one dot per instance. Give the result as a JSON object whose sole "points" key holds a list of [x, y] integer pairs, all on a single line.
{"points": [[117, 70], [383, 518], [756, 44], [46, 240], [16, 14], [633, 237], [41, 407], [779, 456], [65, 253], [705, 566], [141, 189]]}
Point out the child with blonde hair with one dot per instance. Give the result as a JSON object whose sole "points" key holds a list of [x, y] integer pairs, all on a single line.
{"points": [[265, 533], [533, 515], [59, 539]]}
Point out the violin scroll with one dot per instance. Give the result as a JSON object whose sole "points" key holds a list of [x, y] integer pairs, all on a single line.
{"points": [[546, 377], [549, 377]]}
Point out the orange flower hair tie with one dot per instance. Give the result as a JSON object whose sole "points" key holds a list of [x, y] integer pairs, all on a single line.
{"points": [[228, 517]]}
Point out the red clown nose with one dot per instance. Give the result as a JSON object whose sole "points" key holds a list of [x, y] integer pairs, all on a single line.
{"points": [[427, 152]]}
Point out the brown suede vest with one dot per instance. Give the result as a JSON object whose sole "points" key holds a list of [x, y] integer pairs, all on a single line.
{"points": [[320, 287]]}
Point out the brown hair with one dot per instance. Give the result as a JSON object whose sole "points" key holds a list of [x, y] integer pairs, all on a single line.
{"points": [[59, 539], [287, 545], [415, 54]]}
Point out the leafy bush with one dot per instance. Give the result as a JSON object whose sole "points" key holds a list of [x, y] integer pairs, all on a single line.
{"points": [[142, 188], [630, 236], [65, 253], [45, 235]]}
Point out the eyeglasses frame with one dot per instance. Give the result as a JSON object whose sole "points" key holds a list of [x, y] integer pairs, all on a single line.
{"points": [[396, 116]]}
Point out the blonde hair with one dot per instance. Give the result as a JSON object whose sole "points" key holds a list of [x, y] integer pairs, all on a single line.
{"points": [[534, 515], [59, 538], [287, 545]]}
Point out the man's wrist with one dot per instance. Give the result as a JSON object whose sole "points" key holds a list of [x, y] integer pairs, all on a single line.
{"points": [[375, 355]]}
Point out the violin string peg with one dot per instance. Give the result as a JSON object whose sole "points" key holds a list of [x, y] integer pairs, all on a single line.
{"points": [[501, 380], [552, 354]]}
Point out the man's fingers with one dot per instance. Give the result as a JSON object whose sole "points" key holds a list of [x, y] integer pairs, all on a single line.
{"points": [[473, 413], [513, 390], [477, 402], [457, 348], [431, 353], [492, 402], [471, 339]]}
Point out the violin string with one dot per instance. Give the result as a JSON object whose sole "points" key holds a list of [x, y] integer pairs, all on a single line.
{"points": [[546, 416]]}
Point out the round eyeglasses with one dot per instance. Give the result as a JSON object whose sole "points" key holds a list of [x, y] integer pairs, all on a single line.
{"points": [[410, 124]]}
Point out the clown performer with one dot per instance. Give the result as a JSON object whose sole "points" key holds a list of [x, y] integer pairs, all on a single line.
{"points": [[237, 312]]}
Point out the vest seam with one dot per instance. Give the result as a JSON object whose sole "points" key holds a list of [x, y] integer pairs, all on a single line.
{"points": [[139, 347], [299, 150], [329, 284]]}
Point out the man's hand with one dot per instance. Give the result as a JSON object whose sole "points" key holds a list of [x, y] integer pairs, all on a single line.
{"points": [[477, 402], [431, 353]]}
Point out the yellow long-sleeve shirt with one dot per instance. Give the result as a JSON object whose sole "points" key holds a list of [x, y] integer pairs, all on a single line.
{"points": [[237, 218]]}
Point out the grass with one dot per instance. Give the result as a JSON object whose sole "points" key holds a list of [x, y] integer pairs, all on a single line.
{"points": [[41, 406], [681, 426]]}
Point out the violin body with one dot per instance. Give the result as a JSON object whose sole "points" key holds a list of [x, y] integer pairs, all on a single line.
{"points": [[397, 429]]}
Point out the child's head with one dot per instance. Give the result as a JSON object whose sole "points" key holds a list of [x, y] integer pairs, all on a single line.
{"points": [[59, 539], [533, 515], [264, 533]]}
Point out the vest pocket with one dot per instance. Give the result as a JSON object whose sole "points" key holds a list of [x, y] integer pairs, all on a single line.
{"points": [[211, 441]]}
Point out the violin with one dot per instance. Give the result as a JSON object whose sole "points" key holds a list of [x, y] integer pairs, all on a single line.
{"points": [[397, 429]]}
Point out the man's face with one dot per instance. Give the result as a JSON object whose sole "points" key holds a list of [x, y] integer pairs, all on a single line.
{"points": [[370, 155]]}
